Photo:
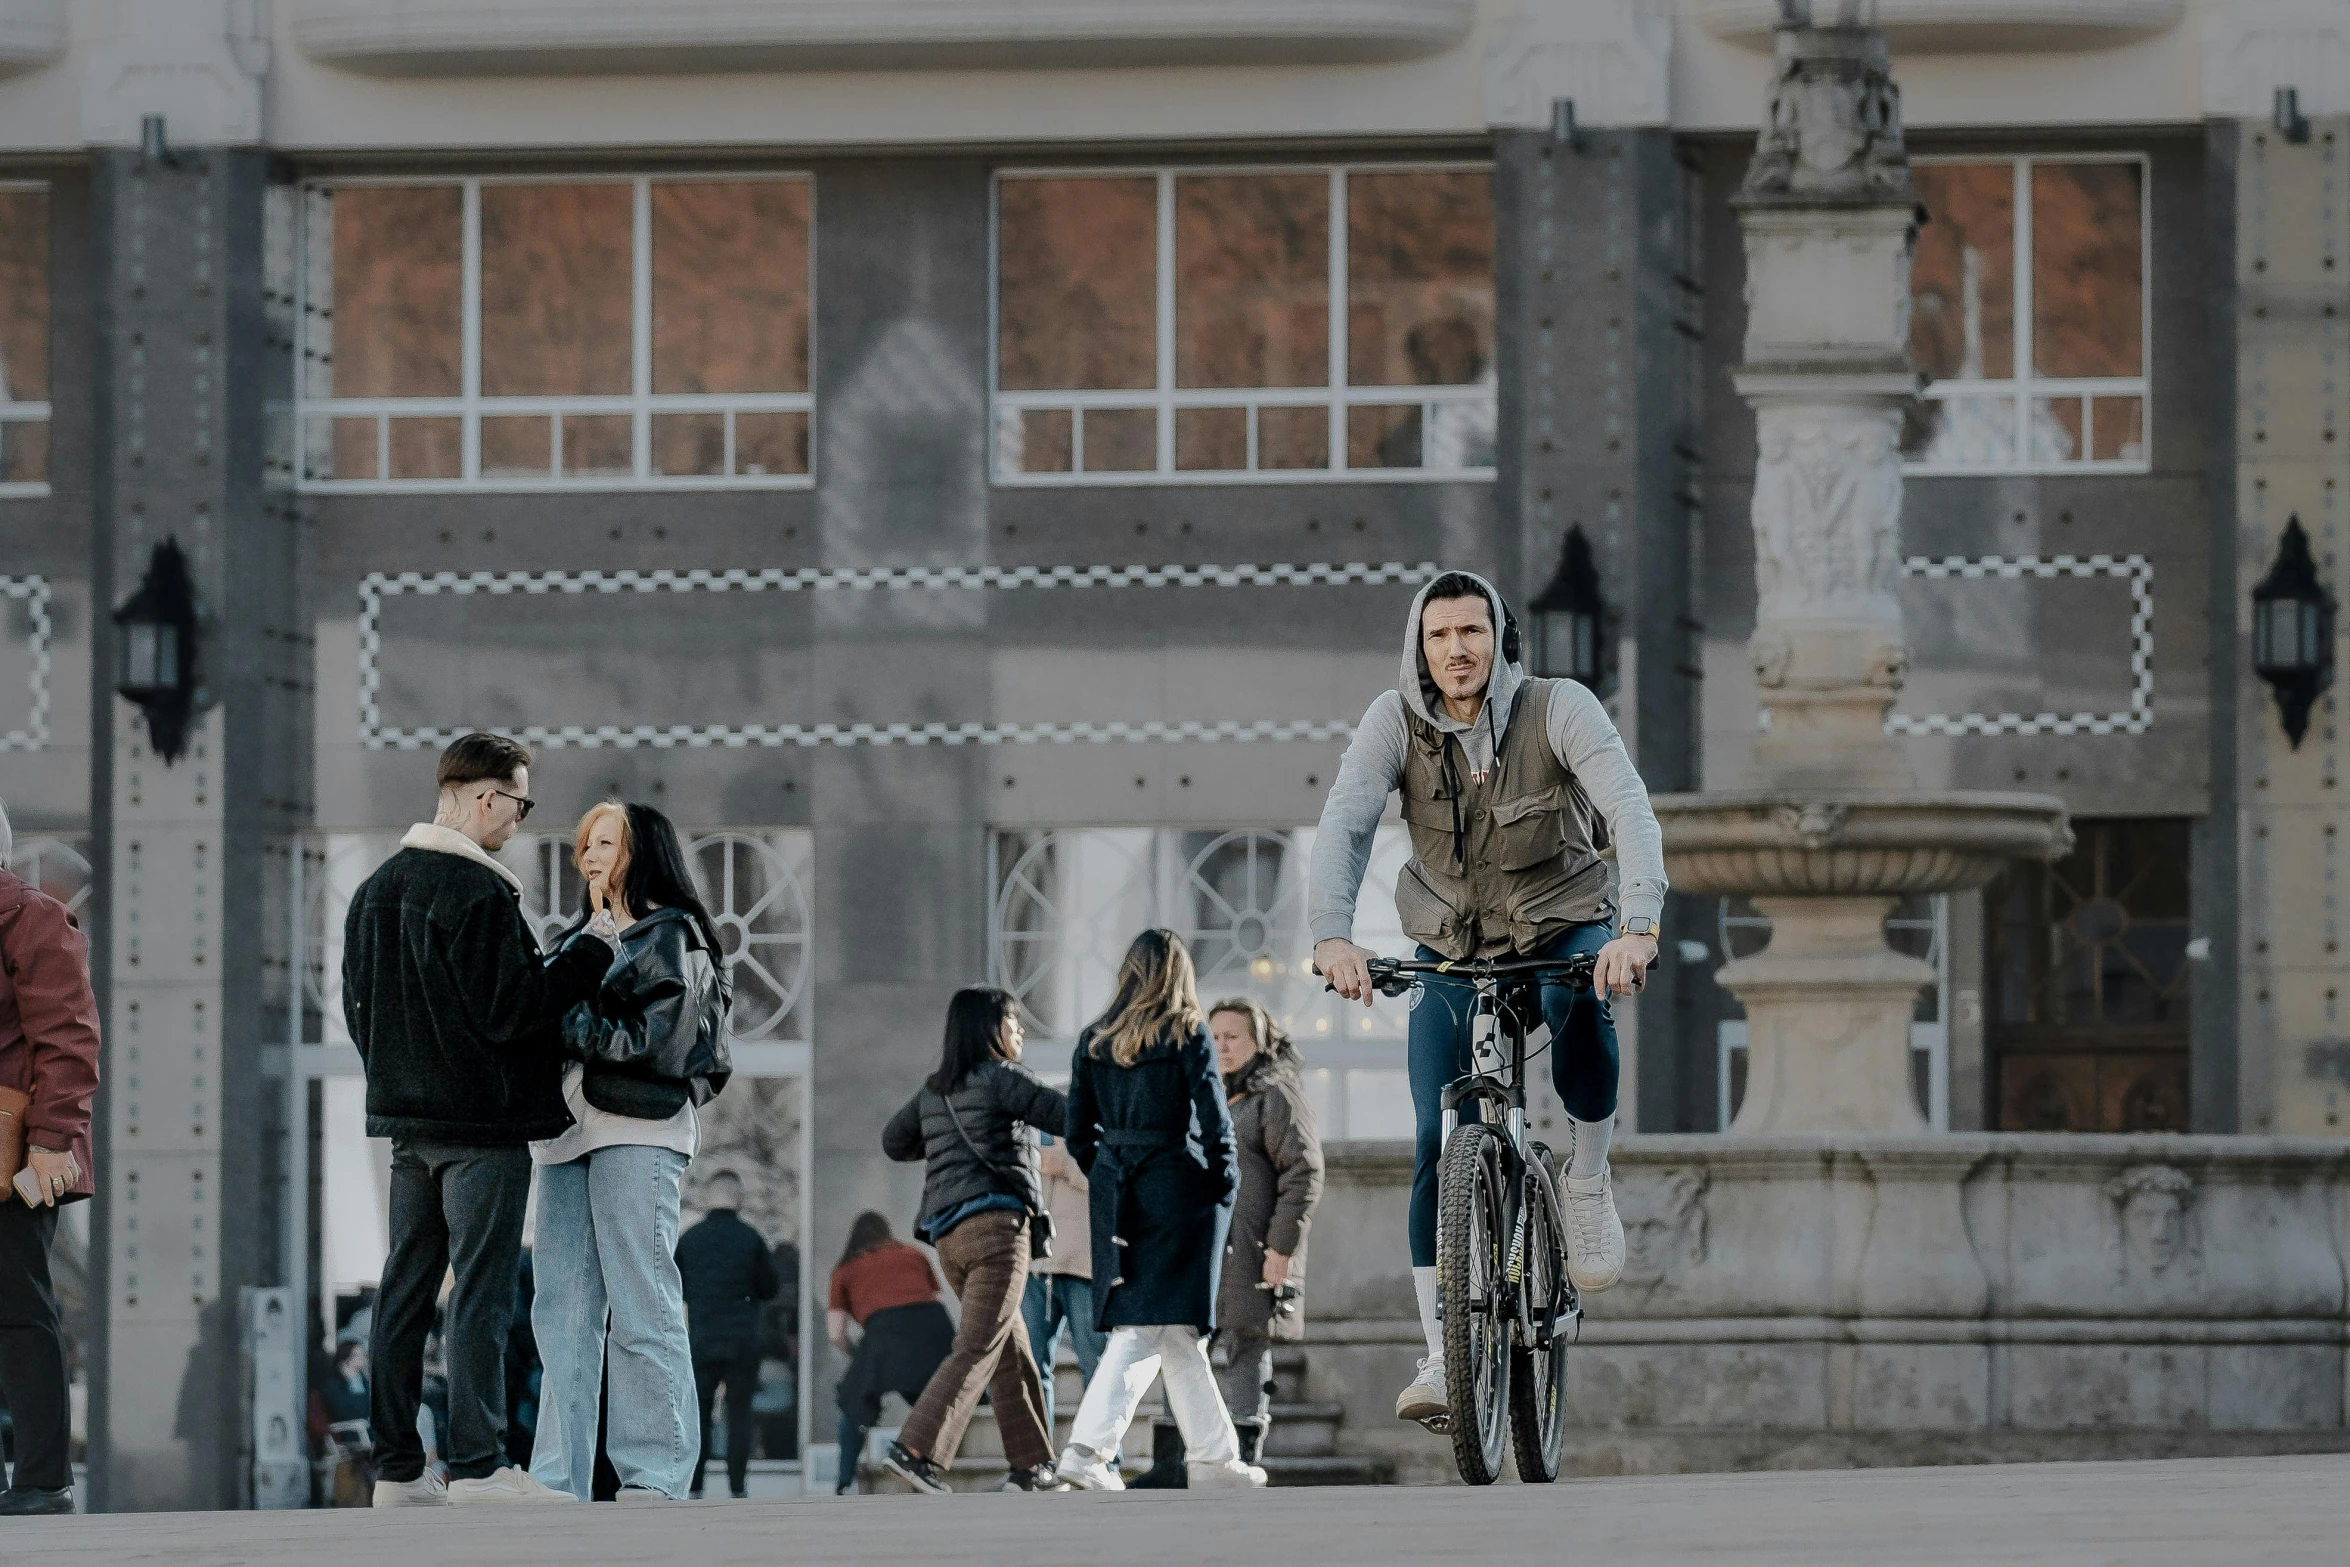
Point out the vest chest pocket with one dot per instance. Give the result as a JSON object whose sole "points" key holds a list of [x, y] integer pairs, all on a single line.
{"points": [[1530, 829], [1420, 909]]}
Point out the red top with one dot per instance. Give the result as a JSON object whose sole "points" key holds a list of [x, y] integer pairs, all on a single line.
{"points": [[891, 1274], [48, 1023]]}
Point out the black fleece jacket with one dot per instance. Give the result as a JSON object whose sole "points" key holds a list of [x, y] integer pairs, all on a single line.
{"points": [[453, 1009]]}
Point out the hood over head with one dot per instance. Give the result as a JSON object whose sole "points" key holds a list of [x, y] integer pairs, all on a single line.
{"points": [[1419, 692]]}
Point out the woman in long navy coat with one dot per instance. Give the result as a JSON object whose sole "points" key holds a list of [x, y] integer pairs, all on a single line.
{"points": [[1149, 1125]]}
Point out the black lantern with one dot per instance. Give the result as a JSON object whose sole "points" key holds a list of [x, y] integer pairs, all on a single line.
{"points": [[2293, 631], [155, 650], [1569, 617]]}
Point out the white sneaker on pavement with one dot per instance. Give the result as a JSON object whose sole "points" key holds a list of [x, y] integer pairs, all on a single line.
{"points": [[507, 1485], [1230, 1475], [1427, 1398], [426, 1490], [638, 1496], [1084, 1470], [1595, 1235]]}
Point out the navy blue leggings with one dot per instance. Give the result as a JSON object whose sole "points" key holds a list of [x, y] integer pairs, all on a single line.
{"points": [[1583, 1063]]}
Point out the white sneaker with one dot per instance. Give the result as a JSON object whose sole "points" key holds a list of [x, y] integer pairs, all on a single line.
{"points": [[426, 1490], [1084, 1470], [1595, 1235], [636, 1495], [1230, 1475], [507, 1485], [1427, 1398]]}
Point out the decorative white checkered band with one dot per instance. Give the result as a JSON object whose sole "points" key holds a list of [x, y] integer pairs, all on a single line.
{"points": [[378, 586], [2133, 720], [34, 735]]}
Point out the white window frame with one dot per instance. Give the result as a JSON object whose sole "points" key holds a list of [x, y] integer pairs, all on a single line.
{"points": [[1166, 397], [2024, 387], [641, 403], [15, 411]]}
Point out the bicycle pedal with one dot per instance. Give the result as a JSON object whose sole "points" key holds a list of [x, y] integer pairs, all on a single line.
{"points": [[1437, 1425]]}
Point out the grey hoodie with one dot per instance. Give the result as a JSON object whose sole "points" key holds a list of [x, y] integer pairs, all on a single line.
{"points": [[1581, 736]]}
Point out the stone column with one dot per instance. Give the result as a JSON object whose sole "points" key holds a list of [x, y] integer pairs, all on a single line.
{"points": [[1829, 217]]}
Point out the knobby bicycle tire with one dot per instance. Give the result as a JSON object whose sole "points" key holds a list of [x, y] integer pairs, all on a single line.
{"points": [[1470, 1243], [1538, 1378]]}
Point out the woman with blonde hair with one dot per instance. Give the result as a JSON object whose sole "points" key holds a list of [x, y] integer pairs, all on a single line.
{"points": [[643, 1054], [1148, 1125]]}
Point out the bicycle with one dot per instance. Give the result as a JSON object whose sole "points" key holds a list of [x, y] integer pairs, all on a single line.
{"points": [[1508, 1308]]}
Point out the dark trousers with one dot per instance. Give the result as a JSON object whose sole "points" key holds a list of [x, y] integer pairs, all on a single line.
{"points": [[461, 1207], [1583, 1063], [741, 1376], [32, 1353], [985, 1259]]}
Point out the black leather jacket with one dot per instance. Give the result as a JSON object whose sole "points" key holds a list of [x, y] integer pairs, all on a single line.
{"points": [[655, 1034]]}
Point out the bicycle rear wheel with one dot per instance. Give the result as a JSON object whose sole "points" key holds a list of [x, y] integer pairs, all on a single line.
{"points": [[1538, 1360], [1471, 1235]]}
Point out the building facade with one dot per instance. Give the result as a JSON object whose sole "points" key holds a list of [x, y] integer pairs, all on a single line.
{"points": [[972, 477]]}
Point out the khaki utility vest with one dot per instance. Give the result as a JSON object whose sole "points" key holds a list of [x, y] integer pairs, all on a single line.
{"points": [[1502, 865]]}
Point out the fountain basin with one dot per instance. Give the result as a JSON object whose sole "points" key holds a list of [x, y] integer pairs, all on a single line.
{"points": [[1859, 843]]}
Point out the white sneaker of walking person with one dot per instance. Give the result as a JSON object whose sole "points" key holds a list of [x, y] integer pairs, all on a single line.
{"points": [[1595, 1234], [1083, 1468], [639, 1496], [507, 1485], [1427, 1398], [426, 1490], [1230, 1475]]}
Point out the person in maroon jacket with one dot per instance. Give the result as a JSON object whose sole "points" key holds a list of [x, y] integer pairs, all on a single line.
{"points": [[48, 1050]]}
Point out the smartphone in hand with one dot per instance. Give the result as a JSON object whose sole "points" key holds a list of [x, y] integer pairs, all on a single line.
{"points": [[28, 1187]]}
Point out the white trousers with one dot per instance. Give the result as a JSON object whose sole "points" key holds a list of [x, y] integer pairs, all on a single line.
{"points": [[1131, 1358]]}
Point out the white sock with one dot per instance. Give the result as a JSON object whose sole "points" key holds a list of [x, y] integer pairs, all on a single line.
{"points": [[1424, 1286], [1587, 1146]]}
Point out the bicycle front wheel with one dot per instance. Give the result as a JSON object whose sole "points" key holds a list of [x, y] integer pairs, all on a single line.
{"points": [[1547, 1306], [1472, 1233]]}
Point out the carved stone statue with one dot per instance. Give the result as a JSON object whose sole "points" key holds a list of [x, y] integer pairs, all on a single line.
{"points": [[2154, 1226], [1834, 129]]}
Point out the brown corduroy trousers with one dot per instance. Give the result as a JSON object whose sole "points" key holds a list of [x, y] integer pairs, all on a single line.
{"points": [[985, 1259]]}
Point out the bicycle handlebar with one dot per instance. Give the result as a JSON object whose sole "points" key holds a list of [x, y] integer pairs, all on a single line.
{"points": [[1393, 976]]}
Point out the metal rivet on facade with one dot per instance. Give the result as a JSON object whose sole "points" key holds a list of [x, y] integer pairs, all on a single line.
{"points": [[1613, 273], [1183, 782], [1008, 783], [1313, 780], [1140, 783], [489, 535]]}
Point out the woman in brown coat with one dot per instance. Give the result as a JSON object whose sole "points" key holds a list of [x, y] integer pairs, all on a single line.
{"points": [[1263, 1293]]}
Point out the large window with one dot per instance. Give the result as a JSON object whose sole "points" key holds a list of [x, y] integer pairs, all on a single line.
{"points": [[2029, 310], [24, 339], [545, 333], [1283, 324]]}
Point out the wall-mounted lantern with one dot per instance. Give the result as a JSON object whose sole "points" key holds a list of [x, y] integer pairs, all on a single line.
{"points": [[1569, 616], [155, 650], [2293, 631]]}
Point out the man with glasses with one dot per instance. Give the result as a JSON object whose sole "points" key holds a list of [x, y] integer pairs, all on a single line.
{"points": [[454, 1011]]}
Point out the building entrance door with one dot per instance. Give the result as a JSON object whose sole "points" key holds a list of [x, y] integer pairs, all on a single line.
{"points": [[2087, 983]]}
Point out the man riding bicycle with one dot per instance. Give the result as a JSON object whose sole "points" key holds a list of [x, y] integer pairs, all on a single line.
{"points": [[1511, 787]]}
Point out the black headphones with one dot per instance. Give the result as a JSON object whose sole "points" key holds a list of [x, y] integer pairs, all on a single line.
{"points": [[1511, 644]]}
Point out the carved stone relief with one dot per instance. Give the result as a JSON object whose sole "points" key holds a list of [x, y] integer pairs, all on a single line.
{"points": [[1664, 1226], [1827, 513], [1834, 127], [2155, 1234]]}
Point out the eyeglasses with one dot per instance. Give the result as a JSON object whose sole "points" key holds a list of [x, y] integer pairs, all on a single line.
{"points": [[522, 800]]}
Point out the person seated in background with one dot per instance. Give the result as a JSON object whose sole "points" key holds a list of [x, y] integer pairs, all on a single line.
{"points": [[889, 1291]]}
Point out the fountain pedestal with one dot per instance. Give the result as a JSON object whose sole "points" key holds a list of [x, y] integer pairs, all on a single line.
{"points": [[1833, 831]]}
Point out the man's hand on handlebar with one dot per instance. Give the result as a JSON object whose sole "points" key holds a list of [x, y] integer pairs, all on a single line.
{"points": [[1623, 966], [1341, 962]]}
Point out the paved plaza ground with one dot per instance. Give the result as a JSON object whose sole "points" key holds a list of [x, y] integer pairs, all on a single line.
{"points": [[2255, 1510]]}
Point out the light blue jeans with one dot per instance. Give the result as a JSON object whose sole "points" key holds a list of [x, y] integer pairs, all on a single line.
{"points": [[607, 1243]]}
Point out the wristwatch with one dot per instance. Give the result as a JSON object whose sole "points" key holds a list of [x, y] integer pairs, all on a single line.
{"points": [[1639, 927]]}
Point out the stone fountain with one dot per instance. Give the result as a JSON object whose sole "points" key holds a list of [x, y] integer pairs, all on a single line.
{"points": [[1830, 831], [1828, 1284]]}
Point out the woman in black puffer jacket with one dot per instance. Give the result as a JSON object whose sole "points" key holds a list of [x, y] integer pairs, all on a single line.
{"points": [[973, 1123], [643, 1055]]}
